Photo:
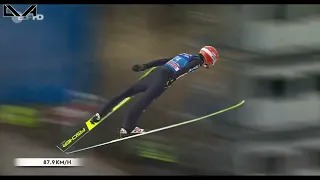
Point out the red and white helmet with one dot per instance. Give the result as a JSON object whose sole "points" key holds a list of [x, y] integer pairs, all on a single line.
{"points": [[210, 55]]}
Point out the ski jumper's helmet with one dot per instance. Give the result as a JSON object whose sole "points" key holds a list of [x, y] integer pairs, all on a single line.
{"points": [[210, 55]]}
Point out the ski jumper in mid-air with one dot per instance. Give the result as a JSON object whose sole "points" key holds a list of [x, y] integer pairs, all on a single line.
{"points": [[155, 83]]}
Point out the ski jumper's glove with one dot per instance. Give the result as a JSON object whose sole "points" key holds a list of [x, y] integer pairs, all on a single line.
{"points": [[169, 83], [138, 67]]}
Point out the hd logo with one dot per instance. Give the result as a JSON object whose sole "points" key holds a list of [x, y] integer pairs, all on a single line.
{"points": [[18, 17]]}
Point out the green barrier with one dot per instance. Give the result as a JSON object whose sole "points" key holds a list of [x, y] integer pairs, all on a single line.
{"points": [[156, 151], [17, 115], [157, 155]]}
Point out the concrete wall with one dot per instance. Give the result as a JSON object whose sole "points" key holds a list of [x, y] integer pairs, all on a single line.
{"points": [[271, 37]]}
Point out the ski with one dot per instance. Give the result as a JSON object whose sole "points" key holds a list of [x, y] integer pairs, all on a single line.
{"points": [[160, 129], [89, 126]]}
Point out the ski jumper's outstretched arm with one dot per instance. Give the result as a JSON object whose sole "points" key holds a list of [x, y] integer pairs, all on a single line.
{"points": [[156, 63]]}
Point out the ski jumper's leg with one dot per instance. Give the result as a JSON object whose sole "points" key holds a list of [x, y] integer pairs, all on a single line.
{"points": [[136, 88], [154, 90]]}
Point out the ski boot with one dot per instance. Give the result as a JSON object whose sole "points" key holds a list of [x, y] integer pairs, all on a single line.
{"points": [[137, 130], [95, 119]]}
